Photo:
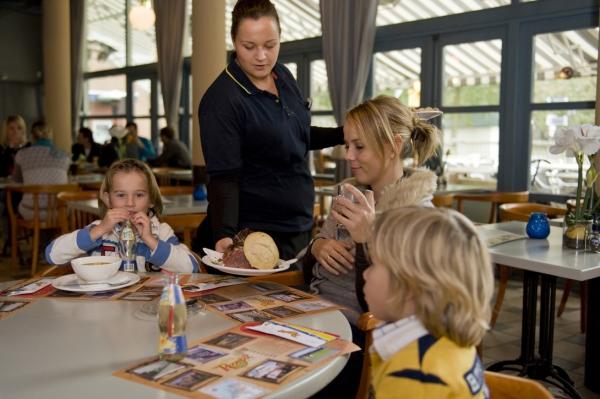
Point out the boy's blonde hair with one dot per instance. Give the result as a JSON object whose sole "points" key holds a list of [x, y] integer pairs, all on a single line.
{"points": [[380, 119], [126, 166], [438, 257]]}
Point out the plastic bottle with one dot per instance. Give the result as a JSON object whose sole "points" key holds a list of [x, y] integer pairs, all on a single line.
{"points": [[127, 247], [172, 318]]}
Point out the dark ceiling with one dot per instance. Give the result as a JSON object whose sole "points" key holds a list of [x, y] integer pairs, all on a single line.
{"points": [[24, 6]]}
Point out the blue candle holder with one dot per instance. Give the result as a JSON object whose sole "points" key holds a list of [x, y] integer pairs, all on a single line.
{"points": [[538, 225]]}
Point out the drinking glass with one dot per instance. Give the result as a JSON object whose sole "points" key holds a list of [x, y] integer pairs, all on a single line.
{"points": [[341, 233]]}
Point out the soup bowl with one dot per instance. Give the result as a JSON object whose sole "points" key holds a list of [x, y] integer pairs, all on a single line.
{"points": [[96, 268]]}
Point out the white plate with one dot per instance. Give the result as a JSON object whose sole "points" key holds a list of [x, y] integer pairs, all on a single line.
{"points": [[70, 282], [213, 259]]}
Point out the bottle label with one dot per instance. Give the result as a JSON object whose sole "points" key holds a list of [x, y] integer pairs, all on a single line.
{"points": [[127, 234], [173, 345]]}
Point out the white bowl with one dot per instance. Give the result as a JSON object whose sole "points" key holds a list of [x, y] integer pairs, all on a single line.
{"points": [[96, 268]]}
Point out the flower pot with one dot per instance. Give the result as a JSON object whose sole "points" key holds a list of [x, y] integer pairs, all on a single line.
{"points": [[575, 233]]}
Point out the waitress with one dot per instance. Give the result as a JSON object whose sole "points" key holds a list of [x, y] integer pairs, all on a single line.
{"points": [[256, 137]]}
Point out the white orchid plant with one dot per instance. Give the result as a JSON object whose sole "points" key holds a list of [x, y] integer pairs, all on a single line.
{"points": [[580, 141]]}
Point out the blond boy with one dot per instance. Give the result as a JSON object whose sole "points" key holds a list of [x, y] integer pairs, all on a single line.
{"points": [[431, 282]]}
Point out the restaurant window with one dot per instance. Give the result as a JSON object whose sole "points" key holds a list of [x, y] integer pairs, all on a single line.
{"points": [[100, 127], [105, 39], [143, 43], [105, 96], [564, 93], [397, 11], [397, 73], [471, 101]]}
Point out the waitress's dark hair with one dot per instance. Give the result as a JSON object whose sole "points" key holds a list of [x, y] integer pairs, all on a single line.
{"points": [[253, 9]]}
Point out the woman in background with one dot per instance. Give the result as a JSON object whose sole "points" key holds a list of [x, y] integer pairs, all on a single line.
{"points": [[14, 138]]}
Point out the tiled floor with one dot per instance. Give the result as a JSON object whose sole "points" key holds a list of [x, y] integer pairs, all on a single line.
{"points": [[503, 342]]}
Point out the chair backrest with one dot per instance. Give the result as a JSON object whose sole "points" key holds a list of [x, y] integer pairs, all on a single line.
{"points": [[44, 204], [176, 190], [71, 219], [522, 211], [186, 224], [504, 386], [443, 200], [495, 198]]}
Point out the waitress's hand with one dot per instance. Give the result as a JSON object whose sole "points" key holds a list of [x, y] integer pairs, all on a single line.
{"points": [[357, 216], [222, 244], [333, 255], [109, 221]]}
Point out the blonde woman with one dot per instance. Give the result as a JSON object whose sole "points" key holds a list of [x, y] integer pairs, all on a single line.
{"points": [[378, 133], [14, 138], [431, 282]]}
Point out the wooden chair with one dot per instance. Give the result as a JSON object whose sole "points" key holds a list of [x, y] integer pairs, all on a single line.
{"points": [[176, 190], [495, 199], [443, 200], [504, 386], [162, 175], [44, 218], [291, 278], [367, 323], [72, 219]]}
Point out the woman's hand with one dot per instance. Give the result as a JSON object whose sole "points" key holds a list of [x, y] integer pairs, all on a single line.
{"points": [[358, 216], [112, 217], [222, 244], [141, 221], [333, 255]]}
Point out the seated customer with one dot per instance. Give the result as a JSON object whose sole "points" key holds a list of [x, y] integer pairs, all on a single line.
{"points": [[376, 134], [174, 154], [85, 147], [42, 163], [138, 147], [14, 137], [431, 282]]}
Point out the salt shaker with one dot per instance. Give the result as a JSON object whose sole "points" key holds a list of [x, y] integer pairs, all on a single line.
{"points": [[127, 247]]}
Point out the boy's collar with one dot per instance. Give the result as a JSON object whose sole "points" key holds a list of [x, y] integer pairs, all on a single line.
{"points": [[392, 337]]}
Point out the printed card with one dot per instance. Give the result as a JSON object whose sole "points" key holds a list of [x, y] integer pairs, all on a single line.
{"points": [[157, 369], [272, 371], [199, 287], [213, 298], [11, 306], [282, 312], [229, 340], [251, 316], [310, 306], [303, 335], [314, 355], [190, 380], [287, 296], [203, 355], [30, 288], [232, 307]]}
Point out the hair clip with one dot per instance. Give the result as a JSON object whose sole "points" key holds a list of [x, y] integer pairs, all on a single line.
{"points": [[427, 113]]}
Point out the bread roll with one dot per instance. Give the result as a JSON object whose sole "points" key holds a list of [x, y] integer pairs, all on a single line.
{"points": [[261, 251]]}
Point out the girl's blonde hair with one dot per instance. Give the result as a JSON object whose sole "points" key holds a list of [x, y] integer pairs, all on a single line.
{"points": [[380, 119], [127, 166], [438, 257], [18, 119]]}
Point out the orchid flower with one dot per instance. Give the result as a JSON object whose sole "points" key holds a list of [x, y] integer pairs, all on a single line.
{"points": [[580, 141]]}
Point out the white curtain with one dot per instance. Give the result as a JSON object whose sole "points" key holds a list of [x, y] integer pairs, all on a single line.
{"points": [[348, 35], [171, 21]]}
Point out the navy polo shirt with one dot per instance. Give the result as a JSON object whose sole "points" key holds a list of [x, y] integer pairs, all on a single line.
{"points": [[265, 140]]}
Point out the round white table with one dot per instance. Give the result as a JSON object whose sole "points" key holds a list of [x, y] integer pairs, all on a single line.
{"points": [[56, 348]]}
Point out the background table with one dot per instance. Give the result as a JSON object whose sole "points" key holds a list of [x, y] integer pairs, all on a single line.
{"points": [[546, 260], [56, 348], [172, 205]]}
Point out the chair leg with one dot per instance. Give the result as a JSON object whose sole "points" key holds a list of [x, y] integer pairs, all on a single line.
{"points": [[35, 250], [504, 273], [583, 287], [565, 297], [13, 248]]}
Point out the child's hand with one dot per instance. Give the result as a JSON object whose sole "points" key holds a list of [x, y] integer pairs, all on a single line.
{"points": [[112, 217], [357, 217], [333, 255], [141, 221]]}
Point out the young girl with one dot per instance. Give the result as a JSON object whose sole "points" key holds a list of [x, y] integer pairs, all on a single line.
{"points": [[129, 192], [431, 281]]}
